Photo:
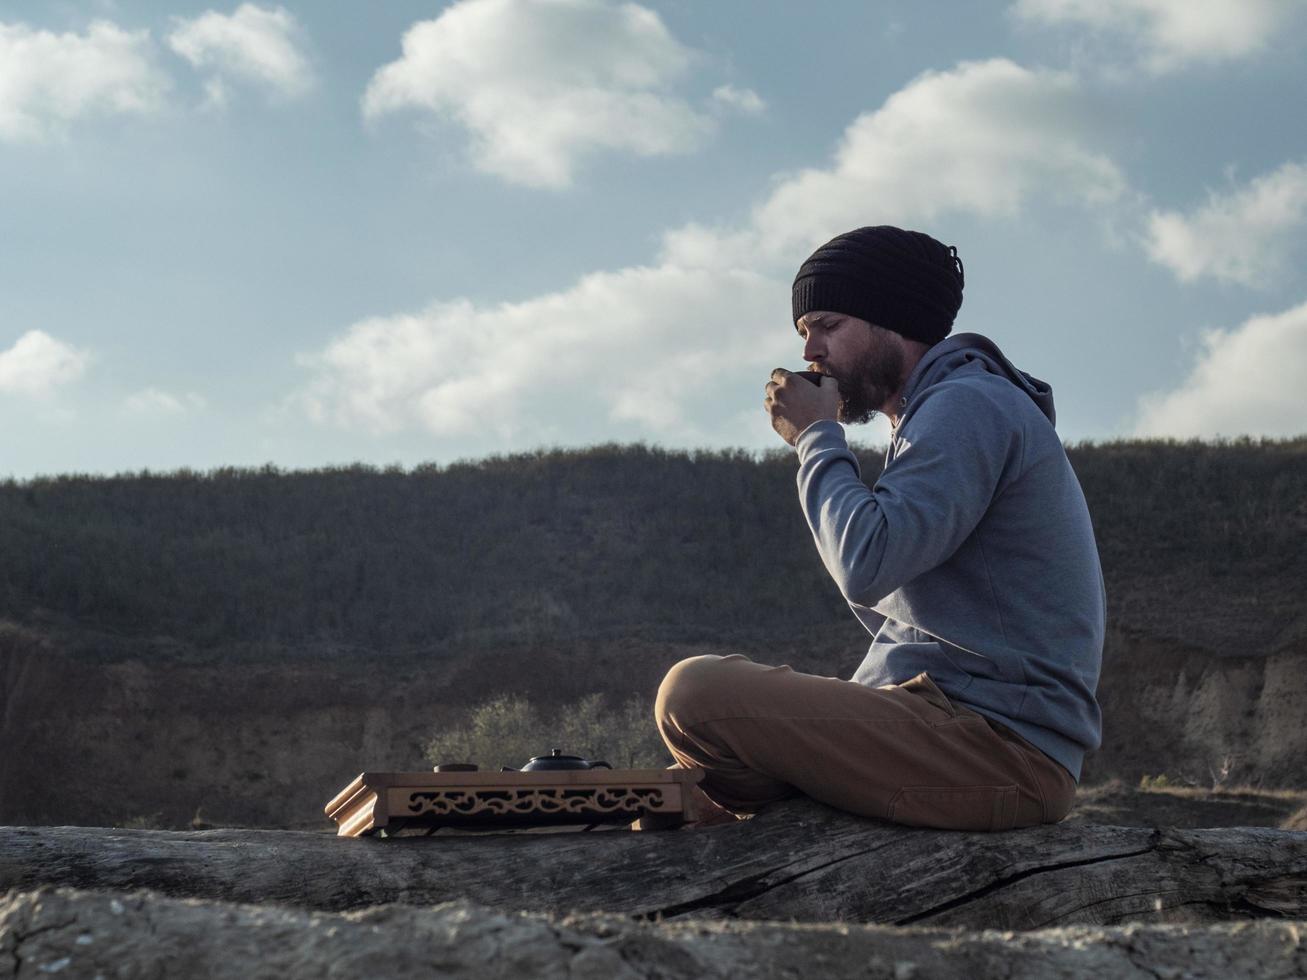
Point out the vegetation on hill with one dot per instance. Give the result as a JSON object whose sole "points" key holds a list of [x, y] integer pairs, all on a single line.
{"points": [[1203, 543], [610, 540]]}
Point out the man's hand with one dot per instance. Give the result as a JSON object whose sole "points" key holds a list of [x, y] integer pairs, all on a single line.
{"points": [[795, 403]]}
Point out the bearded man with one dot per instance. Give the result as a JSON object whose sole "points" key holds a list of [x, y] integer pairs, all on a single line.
{"points": [[971, 561]]}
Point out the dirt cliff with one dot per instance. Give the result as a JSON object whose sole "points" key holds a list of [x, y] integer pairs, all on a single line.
{"points": [[268, 743]]}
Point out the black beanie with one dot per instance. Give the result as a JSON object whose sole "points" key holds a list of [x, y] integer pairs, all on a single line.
{"points": [[904, 281]]}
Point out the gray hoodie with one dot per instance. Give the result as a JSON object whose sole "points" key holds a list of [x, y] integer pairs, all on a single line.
{"points": [[973, 557]]}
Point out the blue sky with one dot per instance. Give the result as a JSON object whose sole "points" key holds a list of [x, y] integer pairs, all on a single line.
{"points": [[323, 233]]}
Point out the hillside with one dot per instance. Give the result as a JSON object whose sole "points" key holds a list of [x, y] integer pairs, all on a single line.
{"points": [[609, 540], [236, 639]]}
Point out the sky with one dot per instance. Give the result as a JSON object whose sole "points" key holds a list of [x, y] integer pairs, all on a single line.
{"points": [[399, 233]]}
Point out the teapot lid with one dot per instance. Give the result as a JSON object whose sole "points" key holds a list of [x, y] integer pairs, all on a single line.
{"points": [[557, 759]]}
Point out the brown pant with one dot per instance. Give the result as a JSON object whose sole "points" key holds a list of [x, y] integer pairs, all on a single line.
{"points": [[903, 753]]}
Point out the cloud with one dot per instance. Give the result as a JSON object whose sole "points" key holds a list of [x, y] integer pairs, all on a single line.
{"points": [[983, 139], [649, 351], [645, 346], [1243, 236], [155, 403], [37, 364], [1169, 34], [48, 80], [1248, 381], [744, 100], [253, 45], [541, 85]]}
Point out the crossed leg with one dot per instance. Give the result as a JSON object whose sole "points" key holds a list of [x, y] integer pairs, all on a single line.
{"points": [[903, 753]]}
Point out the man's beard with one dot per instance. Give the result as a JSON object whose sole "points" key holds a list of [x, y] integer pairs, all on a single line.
{"points": [[870, 382]]}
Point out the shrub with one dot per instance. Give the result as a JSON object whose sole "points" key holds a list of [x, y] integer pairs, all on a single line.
{"points": [[508, 730]]}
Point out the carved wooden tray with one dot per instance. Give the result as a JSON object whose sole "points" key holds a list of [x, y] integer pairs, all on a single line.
{"points": [[390, 802]]}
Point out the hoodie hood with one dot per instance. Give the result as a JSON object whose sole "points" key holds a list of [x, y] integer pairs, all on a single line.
{"points": [[965, 351]]}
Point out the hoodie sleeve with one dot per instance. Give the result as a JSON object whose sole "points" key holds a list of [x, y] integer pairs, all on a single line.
{"points": [[952, 454]]}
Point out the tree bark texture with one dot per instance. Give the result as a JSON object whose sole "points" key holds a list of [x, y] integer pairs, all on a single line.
{"points": [[74, 933], [797, 861]]}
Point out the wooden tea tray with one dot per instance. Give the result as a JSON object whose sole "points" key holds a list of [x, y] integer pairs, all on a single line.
{"points": [[392, 801]]}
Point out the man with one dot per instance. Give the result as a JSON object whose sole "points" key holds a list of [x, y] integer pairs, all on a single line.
{"points": [[971, 561]]}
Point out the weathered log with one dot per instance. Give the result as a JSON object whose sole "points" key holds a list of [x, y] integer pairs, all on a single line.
{"points": [[106, 934], [796, 861]]}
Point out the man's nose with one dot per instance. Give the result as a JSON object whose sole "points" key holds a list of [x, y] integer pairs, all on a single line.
{"points": [[813, 349]]}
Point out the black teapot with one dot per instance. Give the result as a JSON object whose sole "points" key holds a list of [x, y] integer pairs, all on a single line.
{"points": [[556, 760]]}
